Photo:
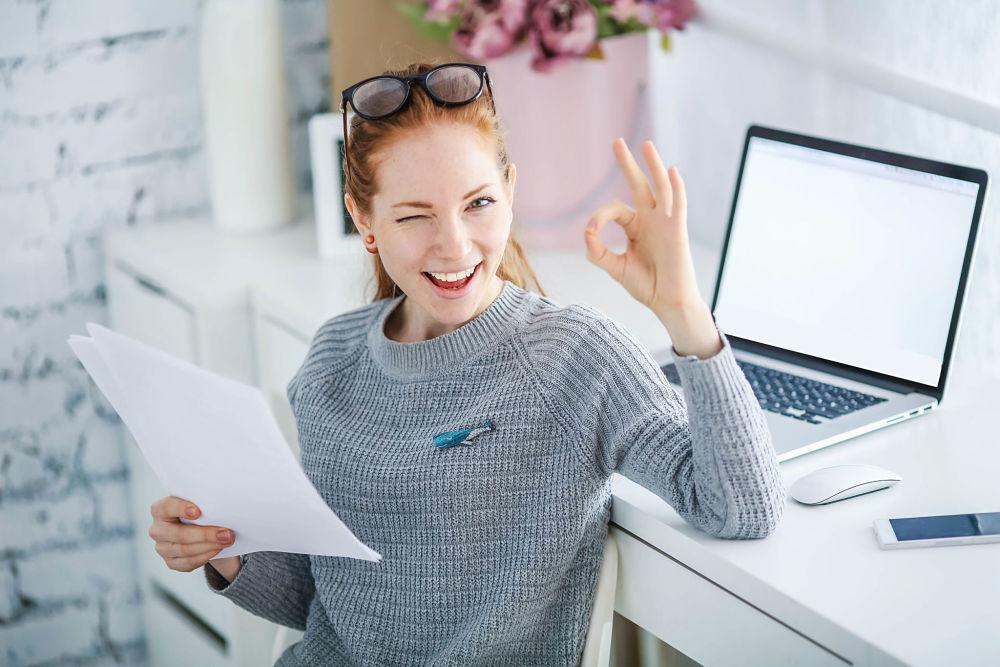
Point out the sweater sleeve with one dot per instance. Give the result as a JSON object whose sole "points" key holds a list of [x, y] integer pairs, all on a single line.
{"points": [[708, 454], [274, 585]]}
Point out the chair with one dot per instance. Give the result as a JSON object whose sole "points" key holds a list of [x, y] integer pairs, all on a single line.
{"points": [[597, 650], [284, 638]]}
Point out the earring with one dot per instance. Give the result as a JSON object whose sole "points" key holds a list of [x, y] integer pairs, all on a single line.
{"points": [[370, 239]]}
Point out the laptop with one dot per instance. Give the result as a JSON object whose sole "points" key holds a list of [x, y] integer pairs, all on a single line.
{"points": [[841, 283]]}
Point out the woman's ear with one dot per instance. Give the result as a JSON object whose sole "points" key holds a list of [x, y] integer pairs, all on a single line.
{"points": [[356, 216], [511, 179]]}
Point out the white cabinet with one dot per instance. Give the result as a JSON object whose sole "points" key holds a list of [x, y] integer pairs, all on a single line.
{"points": [[184, 289]]}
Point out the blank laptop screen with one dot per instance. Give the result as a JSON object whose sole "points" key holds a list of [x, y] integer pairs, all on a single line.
{"points": [[845, 259]]}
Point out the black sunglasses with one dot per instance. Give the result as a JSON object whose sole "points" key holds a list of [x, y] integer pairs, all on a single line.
{"points": [[450, 85]]}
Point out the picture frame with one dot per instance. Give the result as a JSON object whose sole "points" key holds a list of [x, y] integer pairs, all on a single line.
{"points": [[336, 234]]}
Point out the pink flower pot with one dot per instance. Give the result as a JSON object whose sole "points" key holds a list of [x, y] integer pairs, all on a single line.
{"points": [[560, 126]]}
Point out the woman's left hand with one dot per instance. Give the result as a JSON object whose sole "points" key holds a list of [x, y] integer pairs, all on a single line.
{"points": [[656, 267]]}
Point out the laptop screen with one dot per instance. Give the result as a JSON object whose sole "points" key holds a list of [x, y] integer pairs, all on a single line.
{"points": [[845, 259]]}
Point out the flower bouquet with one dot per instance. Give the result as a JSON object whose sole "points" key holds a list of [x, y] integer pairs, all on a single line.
{"points": [[555, 29]]}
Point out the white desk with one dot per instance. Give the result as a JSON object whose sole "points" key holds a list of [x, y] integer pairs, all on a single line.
{"points": [[817, 591], [822, 573]]}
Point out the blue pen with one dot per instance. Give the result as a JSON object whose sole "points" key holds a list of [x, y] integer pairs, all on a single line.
{"points": [[450, 438]]}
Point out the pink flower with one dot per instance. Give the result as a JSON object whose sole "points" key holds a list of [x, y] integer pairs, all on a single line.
{"points": [[623, 10], [441, 10], [490, 28], [560, 29], [660, 14], [672, 13]]}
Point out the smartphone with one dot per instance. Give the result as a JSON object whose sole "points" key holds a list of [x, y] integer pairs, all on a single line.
{"points": [[938, 531]]}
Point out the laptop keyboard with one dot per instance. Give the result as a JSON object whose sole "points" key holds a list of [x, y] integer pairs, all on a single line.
{"points": [[794, 396]]}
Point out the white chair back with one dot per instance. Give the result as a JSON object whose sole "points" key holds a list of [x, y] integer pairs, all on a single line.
{"points": [[597, 651]]}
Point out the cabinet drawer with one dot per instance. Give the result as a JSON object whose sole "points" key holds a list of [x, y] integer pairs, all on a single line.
{"points": [[145, 311], [178, 639], [701, 619], [280, 353]]}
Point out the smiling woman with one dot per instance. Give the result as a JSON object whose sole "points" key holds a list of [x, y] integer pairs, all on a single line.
{"points": [[468, 428]]}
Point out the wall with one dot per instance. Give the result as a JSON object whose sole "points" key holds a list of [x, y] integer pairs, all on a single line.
{"points": [[912, 77], [99, 129]]}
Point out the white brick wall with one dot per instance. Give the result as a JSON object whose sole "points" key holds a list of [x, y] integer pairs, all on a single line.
{"points": [[100, 127]]}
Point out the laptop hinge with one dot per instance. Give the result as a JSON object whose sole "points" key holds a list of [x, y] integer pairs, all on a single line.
{"points": [[833, 368]]}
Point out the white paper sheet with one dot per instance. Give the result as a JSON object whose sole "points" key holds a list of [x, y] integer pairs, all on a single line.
{"points": [[214, 441]]}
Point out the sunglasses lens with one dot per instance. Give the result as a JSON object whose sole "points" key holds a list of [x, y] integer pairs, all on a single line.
{"points": [[455, 83], [379, 97]]}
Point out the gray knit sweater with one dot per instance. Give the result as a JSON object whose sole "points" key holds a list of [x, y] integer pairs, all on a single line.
{"points": [[491, 547]]}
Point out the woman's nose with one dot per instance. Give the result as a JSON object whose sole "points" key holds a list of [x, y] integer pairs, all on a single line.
{"points": [[453, 239]]}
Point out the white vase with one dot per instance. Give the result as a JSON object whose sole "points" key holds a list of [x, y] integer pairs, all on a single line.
{"points": [[560, 127], [245, 115]]}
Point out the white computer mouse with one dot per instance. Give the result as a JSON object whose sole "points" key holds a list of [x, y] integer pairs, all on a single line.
{"points": [[828, 485]]}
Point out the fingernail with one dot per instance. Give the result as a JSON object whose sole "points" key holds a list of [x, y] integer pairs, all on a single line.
{"points": [[192, 512], [223, 536]]}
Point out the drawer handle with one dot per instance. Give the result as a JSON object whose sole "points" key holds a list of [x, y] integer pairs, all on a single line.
{"points": [[151, 286], [192, 618]]}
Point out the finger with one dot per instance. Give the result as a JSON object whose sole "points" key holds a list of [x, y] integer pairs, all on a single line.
{"points": [[597, 252], [637, 182], [661, 180], [680, 195], [188, 533], [177, 550], [186, 563], [621, 213], [171, 508]]}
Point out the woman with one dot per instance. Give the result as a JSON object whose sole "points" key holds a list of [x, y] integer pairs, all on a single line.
{"points": [[492, 538]]}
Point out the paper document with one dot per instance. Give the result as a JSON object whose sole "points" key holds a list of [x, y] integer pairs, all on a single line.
{"points": [[212, 440]]}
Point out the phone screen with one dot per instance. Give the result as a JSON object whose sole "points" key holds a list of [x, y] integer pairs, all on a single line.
{"points": [[949, 525]]}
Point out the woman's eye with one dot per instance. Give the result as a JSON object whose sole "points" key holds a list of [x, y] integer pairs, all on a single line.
{"points": [[489, 199]]}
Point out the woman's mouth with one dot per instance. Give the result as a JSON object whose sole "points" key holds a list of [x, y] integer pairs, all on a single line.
{"points": [[456, 289]]}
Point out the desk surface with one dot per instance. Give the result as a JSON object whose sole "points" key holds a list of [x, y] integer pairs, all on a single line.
{"points": [[822, 571]]}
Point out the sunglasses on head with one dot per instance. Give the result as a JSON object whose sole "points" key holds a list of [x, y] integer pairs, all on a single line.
{"points": [[450, 85]]}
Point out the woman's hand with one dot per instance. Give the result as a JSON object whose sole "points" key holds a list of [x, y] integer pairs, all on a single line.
{"points": [[186, 547], [656, 267]]}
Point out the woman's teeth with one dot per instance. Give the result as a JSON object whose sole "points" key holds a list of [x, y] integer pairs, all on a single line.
{"points": [[452, 277]]}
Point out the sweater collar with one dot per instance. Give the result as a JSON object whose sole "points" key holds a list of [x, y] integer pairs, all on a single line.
{"points": [[422, 359]]}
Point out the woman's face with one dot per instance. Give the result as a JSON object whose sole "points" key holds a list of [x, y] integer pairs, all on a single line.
{"points": [[442, 207]]}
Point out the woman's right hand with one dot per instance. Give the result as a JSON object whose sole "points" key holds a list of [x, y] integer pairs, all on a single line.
{"points": [[186, 547]]}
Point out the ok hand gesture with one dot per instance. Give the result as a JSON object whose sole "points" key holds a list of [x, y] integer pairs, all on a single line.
{"points": [[656, 267]]}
